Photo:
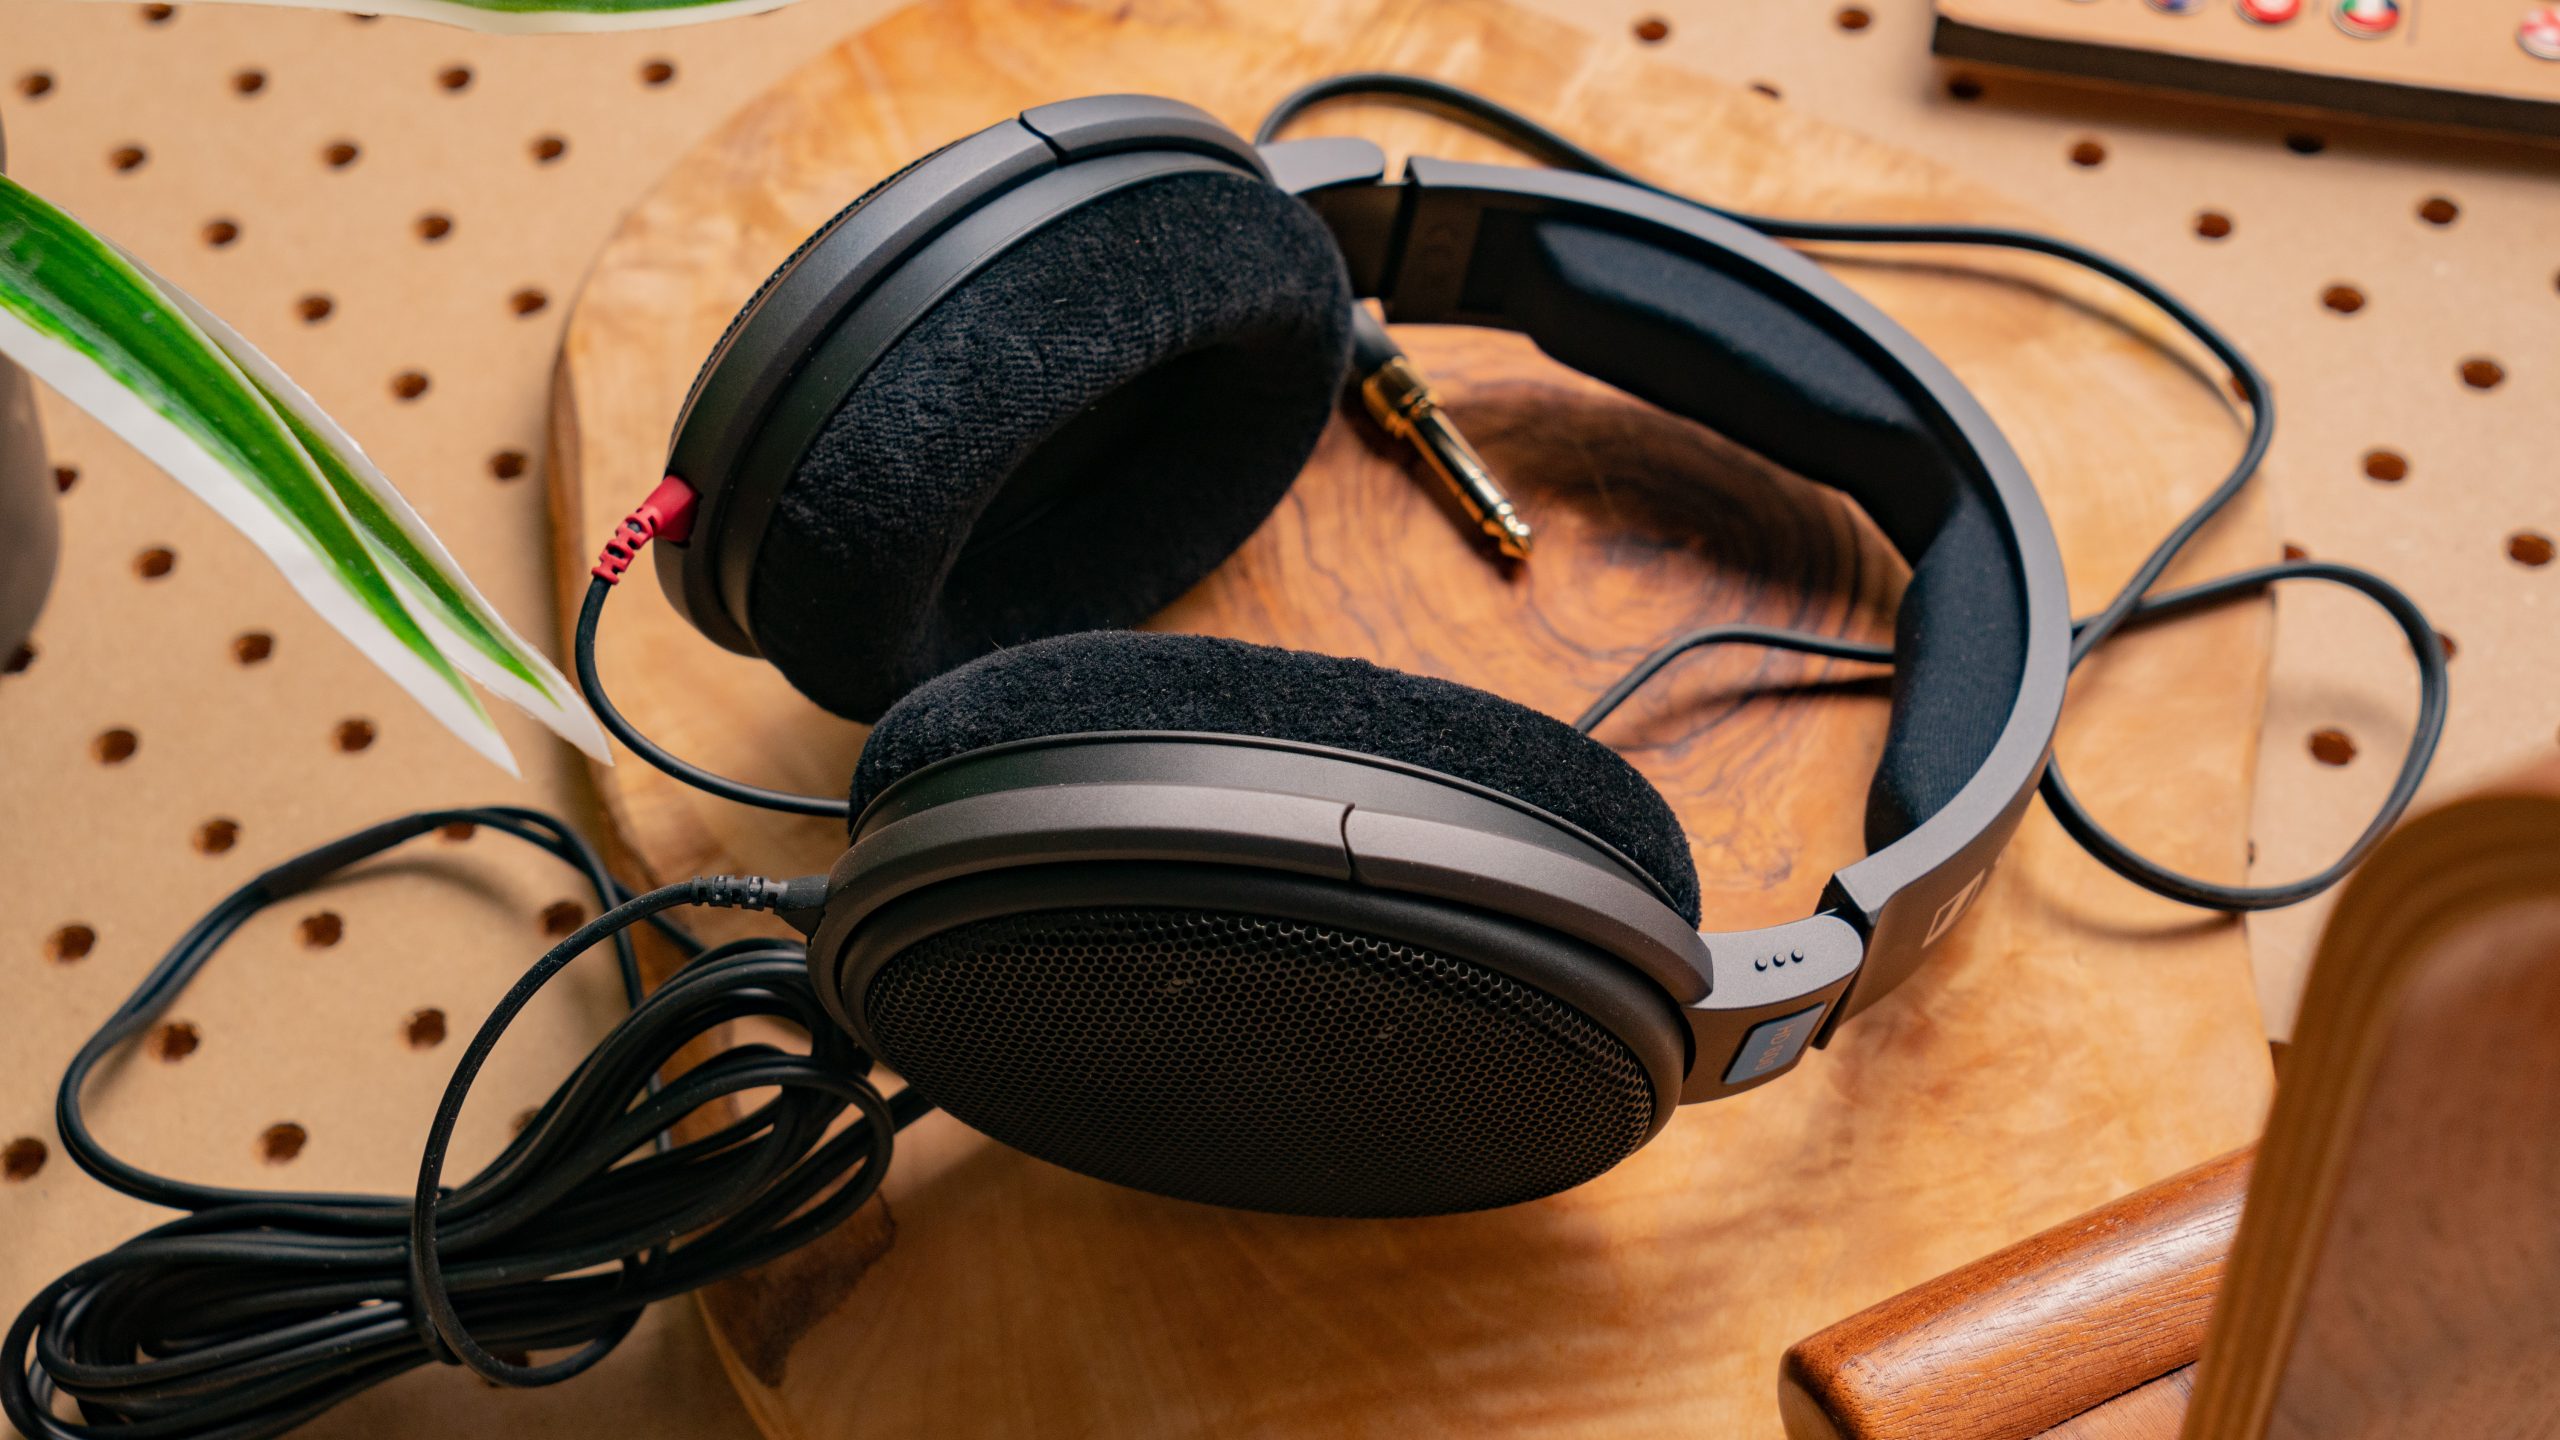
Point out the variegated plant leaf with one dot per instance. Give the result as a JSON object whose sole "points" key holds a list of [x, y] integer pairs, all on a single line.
{"points": [[466, 629], [155, 368], [536, 17]]}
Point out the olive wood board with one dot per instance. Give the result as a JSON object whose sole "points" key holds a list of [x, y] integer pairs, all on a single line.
{"points": [[2073, 1038]]}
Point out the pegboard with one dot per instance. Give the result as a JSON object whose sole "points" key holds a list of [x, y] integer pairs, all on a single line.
{"points": [[398, 212]]}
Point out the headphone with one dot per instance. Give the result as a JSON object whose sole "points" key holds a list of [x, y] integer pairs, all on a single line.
{"points": [[1254, 927], [1274, 929]]}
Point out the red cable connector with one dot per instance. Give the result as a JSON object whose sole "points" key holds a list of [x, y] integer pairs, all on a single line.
{"points": [[667, 512]]}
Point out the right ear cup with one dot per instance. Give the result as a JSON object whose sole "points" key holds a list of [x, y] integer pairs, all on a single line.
{"points": [[1069, 440]]}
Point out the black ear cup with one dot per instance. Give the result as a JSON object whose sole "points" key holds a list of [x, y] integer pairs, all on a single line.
{"points": [[1067, 441], [1143, 681]]}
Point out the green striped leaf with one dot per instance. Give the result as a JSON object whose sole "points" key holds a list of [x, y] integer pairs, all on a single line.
{"points": [[201, 403], [535, 17]]}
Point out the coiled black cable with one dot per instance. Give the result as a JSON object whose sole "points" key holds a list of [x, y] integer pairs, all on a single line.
{"points": [[258, 1309], [2130, 602]]}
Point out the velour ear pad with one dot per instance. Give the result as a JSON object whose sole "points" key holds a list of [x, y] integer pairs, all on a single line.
{"points": [[1138, 680], [1069, 440]]}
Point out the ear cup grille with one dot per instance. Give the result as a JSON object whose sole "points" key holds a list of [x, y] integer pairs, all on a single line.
{"points": [[1259, 1062]]}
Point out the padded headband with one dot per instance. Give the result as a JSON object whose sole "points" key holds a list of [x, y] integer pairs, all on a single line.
{"points": [[1717, 323]]}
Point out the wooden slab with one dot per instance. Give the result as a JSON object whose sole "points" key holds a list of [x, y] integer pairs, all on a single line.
{"points": [[2075, 1040]]}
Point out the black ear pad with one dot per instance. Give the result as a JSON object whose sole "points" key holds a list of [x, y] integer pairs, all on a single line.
{"points": [[1135, 680], [1678, 332], [1069, 440]]}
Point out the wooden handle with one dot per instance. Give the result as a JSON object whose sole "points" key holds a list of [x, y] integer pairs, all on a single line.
{"points": [[2020, 1341]]}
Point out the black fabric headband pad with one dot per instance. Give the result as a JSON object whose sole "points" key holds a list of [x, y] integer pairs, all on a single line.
{"points": [[1142, 680], [1067, 441], [1675, 331]]}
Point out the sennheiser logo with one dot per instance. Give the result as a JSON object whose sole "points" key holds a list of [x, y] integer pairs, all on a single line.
{"points": [[1778, 1046], [1953, 910]]}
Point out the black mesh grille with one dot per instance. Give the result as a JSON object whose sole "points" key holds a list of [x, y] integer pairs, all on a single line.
{"points": [[1257, 1062]]}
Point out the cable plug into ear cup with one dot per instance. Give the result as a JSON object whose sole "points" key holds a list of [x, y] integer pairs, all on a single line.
{"points": [[1073, 437]]}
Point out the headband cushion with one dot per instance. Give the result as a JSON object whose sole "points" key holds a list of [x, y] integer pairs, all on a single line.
{"points": [[1768, 372], [1068, 441], [1142, 680]]}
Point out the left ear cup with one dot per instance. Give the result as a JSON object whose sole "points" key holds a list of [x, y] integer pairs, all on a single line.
{"points": [[1070, 439]]}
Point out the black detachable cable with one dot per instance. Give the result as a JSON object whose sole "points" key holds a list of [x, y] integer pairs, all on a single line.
{"points": [[583, 653], [2131, 602], [258, 1309]]}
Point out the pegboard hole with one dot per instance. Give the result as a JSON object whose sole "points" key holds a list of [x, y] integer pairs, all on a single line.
{"points": [[70, 944], [314, 308], [2529, 548], [158, 14], [1766, 91], [2213, 225], [2303, 143], [64, 477], [35, 84], [339, 154], [218, 233], [248, 82], [528, 301], [507, 464], [252, 647], [434, 226], [454, 832], [2332, 747], [1964, 87], [2439, 210], [127, 158], [454, 78], [175, 1041], [23, 1158], [2295, 552], [2482, 373], [353, 735], [214, 837], [655, 73], [2445, 641], [321, 929], [548, 148], [19, 659], [1853, 18], [155, 563], [282, 1141], [409, 384], [425, 1029], [114, 747], [2088, 154], [1653, 30], [2388, 466], [2345, 299], [562, 916]]}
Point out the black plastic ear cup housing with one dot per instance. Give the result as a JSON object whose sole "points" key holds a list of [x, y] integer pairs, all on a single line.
{"points": [[1144, 681], [1072, 438]]}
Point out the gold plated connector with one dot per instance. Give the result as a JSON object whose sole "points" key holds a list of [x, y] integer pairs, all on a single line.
{"points": [[1400, 400]]}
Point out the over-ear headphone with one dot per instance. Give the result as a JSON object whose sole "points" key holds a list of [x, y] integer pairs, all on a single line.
{"points": [[1272, 929], [1262, 928]]}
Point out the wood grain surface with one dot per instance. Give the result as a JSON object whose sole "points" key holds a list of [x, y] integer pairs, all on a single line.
{"points": [[2075, 1039], [2035, 1336], [2397, 1270]]}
